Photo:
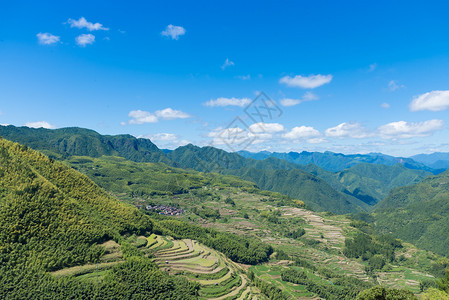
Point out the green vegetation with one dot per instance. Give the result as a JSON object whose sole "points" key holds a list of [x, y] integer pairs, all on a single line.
{"points": [[370, 183], [418, 214], [381, 293], [52, 217]]}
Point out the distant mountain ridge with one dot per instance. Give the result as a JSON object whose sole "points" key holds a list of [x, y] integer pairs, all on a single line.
{"points": [[348, 191], [336, 162], [437, 160]]}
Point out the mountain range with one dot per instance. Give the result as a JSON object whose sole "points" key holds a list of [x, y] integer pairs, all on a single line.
{"points": [[351, 190]]}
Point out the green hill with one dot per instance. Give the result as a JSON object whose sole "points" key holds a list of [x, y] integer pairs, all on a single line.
{"points": [[52, 217], [418, 213], [83, 142]]}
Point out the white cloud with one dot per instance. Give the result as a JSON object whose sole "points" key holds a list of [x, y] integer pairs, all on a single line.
{"points": [[306, 82], [385, 105], [393, 85], [302, 132], [47, 38], [372, 67], [228, 102], [351, 130], [227, 63], [289, 102], [83, 23], [85, 39], [166, 140], [39, 124], [434, 101], [171, 114], [4, 124], [229, 136], [174, 32], [141, 117], [317, 141], [402, 129], [166, 137], [308, 96], [262, 127]]}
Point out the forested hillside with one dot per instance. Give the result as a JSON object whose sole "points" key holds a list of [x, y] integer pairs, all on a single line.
{"points": [[369, 182], [53, 217], [80, 141], [418, 213]]}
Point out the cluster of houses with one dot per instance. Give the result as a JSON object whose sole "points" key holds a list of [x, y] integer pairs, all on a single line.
{"points": [[165, 210]]}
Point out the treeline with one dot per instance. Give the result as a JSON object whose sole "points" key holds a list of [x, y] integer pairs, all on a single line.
{"points": [[376, 249], [237, 248]]}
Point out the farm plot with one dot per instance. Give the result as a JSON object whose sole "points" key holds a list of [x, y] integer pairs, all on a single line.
{"points": [[218, 277]]}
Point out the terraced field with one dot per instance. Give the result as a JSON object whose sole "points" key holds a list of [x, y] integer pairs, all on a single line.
{"points": [[219, 277]]}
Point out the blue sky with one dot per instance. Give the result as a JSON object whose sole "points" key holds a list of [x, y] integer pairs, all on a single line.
{"points": [[350, 77]]}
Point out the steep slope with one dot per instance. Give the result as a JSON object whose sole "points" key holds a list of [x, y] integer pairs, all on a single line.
{"points": [[52, 217], [418, 213], [336, 162], [84, 142]]}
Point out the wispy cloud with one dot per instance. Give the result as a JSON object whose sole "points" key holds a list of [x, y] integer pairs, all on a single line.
{"points": [[393, 85], [171, 114], [39, 124], [85, 39], [47, 38], [83, 23], [385, 105], [348, 130], [403, 129], [433, 101], [306, 82], [227, 63], [141, 116], [308, 96], [174, 32], [241, 102]]}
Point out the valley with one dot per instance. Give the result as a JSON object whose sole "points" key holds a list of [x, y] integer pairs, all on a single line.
{"points": [[218, 236]]}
